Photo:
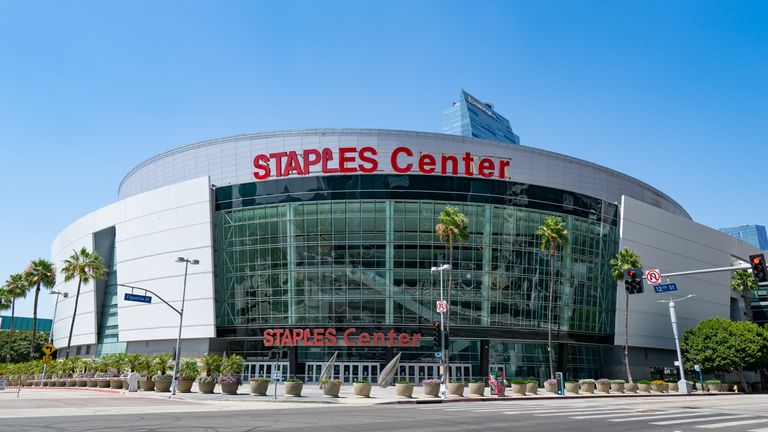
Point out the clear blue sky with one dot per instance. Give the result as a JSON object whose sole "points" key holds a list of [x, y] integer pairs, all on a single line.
{"points": [[674, 93]]}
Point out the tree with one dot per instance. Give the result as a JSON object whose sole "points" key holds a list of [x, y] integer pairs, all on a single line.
{"points": [[39, 273], [722, 345], [625, 259], [85, 266], [453, 227], [18, 348], [14, 288], [553, 236], [744, 282]]}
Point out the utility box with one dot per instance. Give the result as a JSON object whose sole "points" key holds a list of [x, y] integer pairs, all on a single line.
{"points": [[560, 383]]}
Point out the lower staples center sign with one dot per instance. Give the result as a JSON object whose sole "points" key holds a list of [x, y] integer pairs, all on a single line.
{"points": [[138, 298]]}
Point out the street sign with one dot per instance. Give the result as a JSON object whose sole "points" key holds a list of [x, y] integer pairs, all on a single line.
{"points": [[697, 368], [48, 349], [2, 384], [438, 354], [665, 288], [138, 298], [442, 306], [277, 376], [653, 276], [47, 359]]}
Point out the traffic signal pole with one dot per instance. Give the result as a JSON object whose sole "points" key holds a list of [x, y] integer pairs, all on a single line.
{"points": [[708, 270]]}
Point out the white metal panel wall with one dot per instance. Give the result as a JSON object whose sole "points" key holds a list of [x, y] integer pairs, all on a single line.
{"points": [[672, 243], [151, 230]]}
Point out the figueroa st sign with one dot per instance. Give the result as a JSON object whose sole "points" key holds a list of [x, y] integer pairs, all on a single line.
{"points": [[351, 160], [329, 337]]}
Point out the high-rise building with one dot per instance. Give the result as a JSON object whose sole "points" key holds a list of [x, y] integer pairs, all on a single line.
{"points": [[471, 117], [752, 234]]}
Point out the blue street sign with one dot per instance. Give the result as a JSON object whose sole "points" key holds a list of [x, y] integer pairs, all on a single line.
{"points": [[138, 298], [438, 354], [665, 288]]}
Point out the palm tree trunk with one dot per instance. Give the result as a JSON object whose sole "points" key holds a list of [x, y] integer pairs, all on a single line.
{"points": [[748, 304], [549, 313], [34, 323], [626, 338], [10, 341], [74, 314], [448, 315]]}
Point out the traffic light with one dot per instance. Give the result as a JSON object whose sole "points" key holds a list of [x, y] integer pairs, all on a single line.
{"points": [[436, 336], [633, 282], [758, 267], [447, 340]]}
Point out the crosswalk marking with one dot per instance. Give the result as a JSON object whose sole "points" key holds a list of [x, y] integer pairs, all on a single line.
{"points": [[736, 423], [558, 411], [700, 419], [759, 430], [592, 411], [646, 417], [628, 413]]}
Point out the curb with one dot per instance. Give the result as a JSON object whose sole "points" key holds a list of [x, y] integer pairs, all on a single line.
{"points": [[89, 389], [546, 397]]}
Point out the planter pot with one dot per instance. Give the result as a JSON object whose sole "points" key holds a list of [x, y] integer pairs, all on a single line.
{"points": [[81, 382], [162, 386], [603, 388], [756, 387], [617, 388], [332, 389], [714, 388], [185, 385], [229, 388], [404, 390], [666, 388], [532, 388], [71, 383], [206, 387], [259, 388], [724, 387], [92, 382], [587, 388], [477, 389], [432, 390], [362, 389], [23, 381], [116, 383], [103, 382], [147, 384], [657, 388], [645, 388], [294, 388], [518, 389], [672, 387], [125, 383], [456, 389], [630, 387], [572, 388], [61, 383], [550, 388]]}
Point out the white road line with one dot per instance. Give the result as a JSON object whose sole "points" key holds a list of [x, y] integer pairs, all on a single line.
{"points": [[558, 411], [759, 430], [633, 412], [701, 419], [645, 417], [592, 411], [736, 423]]}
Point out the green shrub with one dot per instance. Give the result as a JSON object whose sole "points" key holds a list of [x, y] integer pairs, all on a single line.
{"points": [[519, 381], [587, 381], [294, 380], [362, 381], [403, 382], [712, 381], [330, 382], [643, 381], [571, 382], [261, 379], [478, 382], [619, 381]]}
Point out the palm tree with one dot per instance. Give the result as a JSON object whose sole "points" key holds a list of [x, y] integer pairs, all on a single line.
{"points": [[39, 273], [553, 235], [625, 259], [85, 266], [14, 288], [453, 227], [744, 282]]}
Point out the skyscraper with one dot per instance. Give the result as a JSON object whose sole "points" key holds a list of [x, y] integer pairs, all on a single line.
{"points": [[471, 117], [752, 234]]}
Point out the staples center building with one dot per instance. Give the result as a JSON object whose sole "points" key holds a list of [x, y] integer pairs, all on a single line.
{"points": [[319, 241]]}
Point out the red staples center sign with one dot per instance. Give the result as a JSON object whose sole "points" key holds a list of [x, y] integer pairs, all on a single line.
{"points": [[329, 337], [351, 160]]}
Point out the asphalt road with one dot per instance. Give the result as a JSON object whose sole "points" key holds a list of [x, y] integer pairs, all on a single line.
{"points": [[728, 414]]}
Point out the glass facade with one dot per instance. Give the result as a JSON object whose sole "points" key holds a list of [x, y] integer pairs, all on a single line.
{"points": [[349, 251], [756, 236], [472, 118]]}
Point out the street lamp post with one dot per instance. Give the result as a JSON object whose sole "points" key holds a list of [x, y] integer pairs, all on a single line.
{"points": [[186, 262], [55, 308], [682, 385], [443, 359]]}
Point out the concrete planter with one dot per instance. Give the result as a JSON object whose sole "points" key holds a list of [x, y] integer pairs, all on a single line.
{"points": [[229, 388], [147, 384], [550, 388], [603, 387], [432, 390], [61, 383], [587, 388], [259, 388], [477, 389], [162, 386], [116, 383], [185, 385], [404, 390], [206, 387], [713, 388], [672, 387], [644, 388], [293, 388], [456, 389], [572, 388], [666, 388], [724, 387], [92, 382], [71, 383], [331, 389], [125, 383], [617, 388], [518, 389], [532, 388], [630, 388], [103, 382], [362, 389], [657, 388]]}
